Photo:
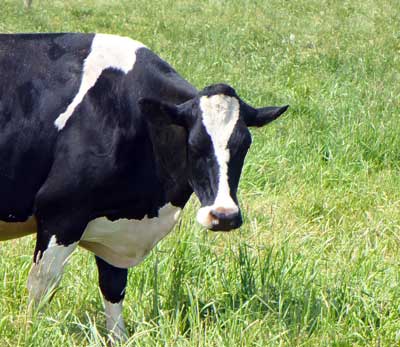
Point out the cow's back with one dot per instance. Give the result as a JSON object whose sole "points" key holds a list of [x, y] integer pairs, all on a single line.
{"points": [[39, 76]]}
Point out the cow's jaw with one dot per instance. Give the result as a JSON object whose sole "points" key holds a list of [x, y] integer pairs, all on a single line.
{"points": [[220, 113]]}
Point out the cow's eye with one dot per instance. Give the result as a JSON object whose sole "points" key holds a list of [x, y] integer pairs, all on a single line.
{"points": [[199, 148], [199, 152], [242, 147]]}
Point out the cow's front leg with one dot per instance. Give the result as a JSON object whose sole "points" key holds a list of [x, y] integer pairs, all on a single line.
{"points": [[51, 254], [112, 281]]}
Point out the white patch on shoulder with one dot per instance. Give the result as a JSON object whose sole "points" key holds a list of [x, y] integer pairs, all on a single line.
{"points": [[220, 115], [114, 320], [126, 242], [107, 51], [46, 272]]}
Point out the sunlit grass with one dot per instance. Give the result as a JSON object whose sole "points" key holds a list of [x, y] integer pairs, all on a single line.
{"points": [[317, 261]]}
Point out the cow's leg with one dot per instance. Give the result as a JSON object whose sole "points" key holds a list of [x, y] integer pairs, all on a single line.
{"points": [[52, 251], [63, 208], [112, 281]]}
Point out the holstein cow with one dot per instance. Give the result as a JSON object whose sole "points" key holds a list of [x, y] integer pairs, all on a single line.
{"points": [[101, 145]]}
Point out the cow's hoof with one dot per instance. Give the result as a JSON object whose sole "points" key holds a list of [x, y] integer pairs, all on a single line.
{"points": [[117, 336]]}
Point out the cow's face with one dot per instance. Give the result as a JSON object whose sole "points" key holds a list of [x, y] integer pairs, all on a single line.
{"points": [[218, 139]]}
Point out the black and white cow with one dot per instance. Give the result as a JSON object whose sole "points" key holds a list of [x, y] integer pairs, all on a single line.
{"points": [[101, 145]]}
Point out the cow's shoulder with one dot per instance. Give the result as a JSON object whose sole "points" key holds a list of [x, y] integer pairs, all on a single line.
{"points": [[113, 51]]}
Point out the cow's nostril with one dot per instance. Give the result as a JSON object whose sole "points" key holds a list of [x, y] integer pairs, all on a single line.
{"points": [[225, 219], [224, 213], [218, 215]]}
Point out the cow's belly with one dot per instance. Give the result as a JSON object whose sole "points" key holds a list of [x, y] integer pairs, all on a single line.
{"points": [[126, 242], [10, 231]]}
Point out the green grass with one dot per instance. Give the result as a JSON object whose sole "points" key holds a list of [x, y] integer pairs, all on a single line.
{"points": [[317, 260]]}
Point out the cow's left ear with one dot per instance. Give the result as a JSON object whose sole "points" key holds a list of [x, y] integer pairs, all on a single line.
{"points": [[161, 112], [261, 116]]}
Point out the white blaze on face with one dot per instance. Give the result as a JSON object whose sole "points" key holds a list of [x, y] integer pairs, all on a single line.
{"points": [[220, 114], [107, 51]]}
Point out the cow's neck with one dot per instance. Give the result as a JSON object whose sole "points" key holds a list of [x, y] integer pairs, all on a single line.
{"points": [[170, 151]]}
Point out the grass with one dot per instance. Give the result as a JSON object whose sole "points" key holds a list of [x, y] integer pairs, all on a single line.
{"points": [[317, 261]]}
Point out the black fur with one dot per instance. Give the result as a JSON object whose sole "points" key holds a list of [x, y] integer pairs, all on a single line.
{"points": [[112, 281]]}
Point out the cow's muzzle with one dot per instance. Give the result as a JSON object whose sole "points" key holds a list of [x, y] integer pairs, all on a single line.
{"points": [[220, 219], [225, 220]]}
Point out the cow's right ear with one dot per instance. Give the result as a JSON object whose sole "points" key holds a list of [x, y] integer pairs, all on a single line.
{"points": [[261, 116], [161, 112]]}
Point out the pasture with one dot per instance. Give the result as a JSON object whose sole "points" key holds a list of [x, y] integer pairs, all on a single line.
{"points": [[317, 261]]}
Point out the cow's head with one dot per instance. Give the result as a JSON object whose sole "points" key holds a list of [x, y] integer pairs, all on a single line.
{"points": [[216, 122]]}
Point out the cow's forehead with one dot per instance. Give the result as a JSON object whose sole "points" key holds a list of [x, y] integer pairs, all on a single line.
{"points": [[220, 114]]}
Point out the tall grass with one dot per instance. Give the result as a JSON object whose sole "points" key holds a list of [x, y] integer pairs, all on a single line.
{"points": [[317, 260]]}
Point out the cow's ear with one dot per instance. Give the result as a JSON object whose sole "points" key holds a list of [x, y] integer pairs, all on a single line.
{"points": [[161, 112], [261, 116]]}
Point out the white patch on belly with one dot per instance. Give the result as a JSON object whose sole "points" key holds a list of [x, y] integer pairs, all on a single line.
{"points": [[107, 51], [14, 230], [126, 242], [220, 114]]}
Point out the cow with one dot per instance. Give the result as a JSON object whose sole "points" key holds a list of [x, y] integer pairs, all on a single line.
{"points": [[102, 143]]}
